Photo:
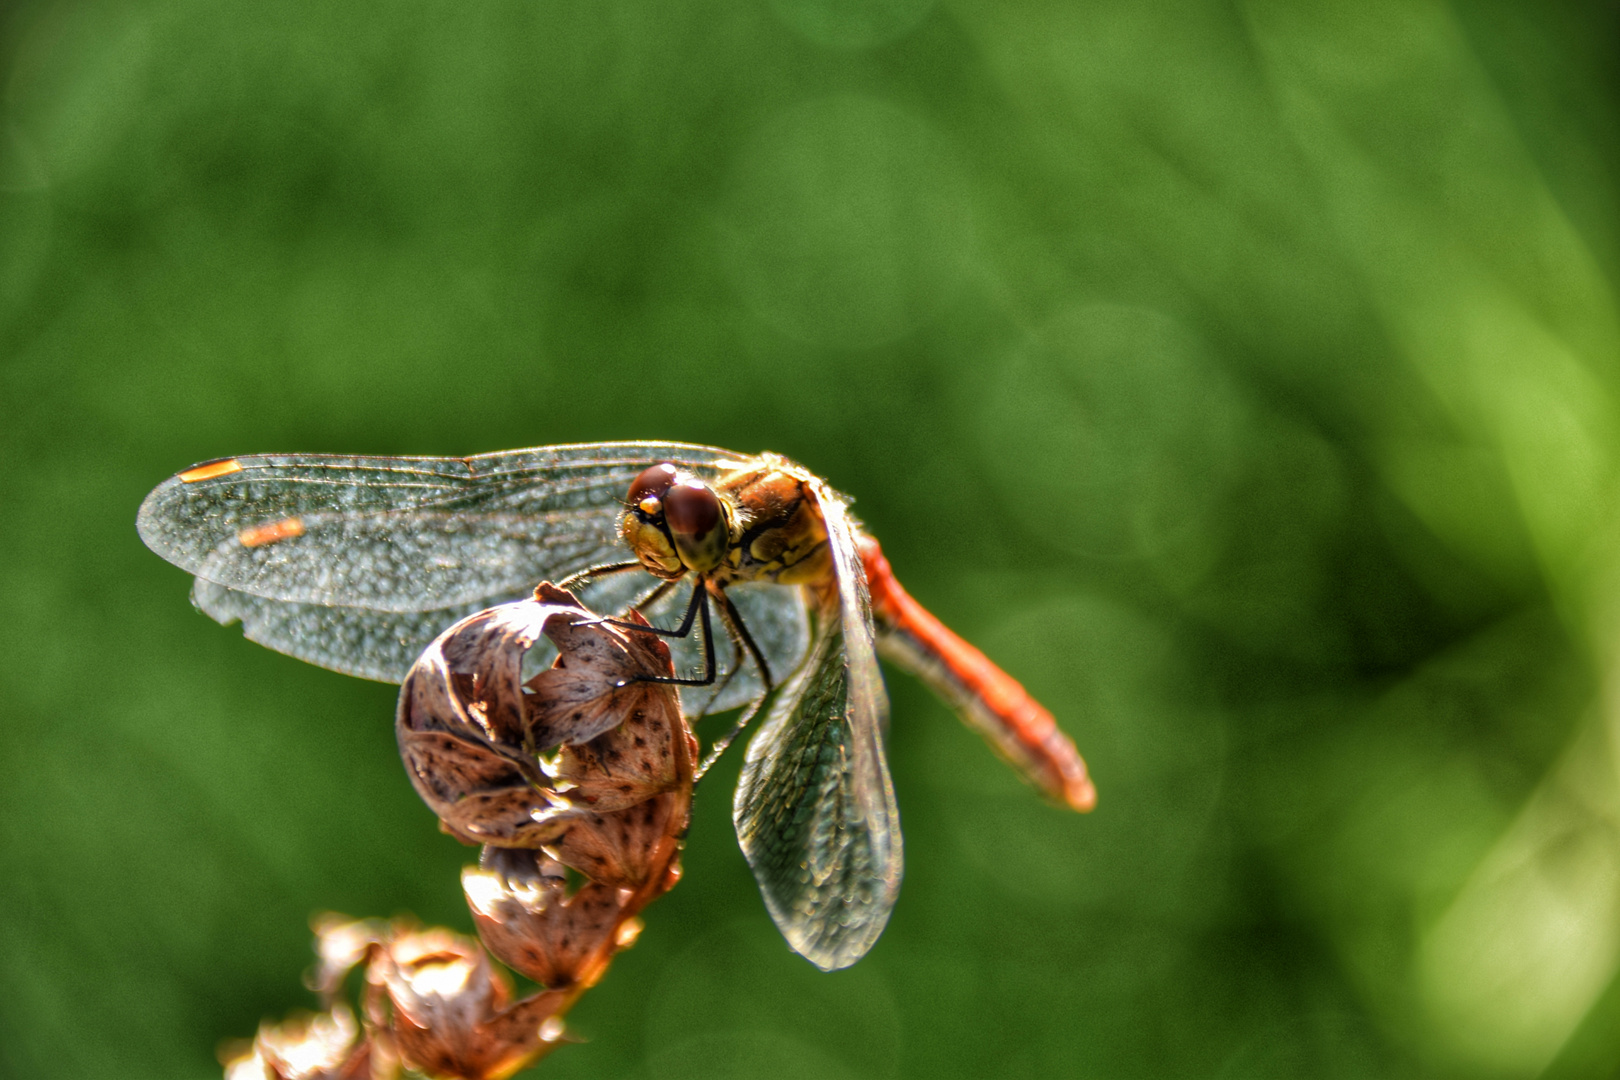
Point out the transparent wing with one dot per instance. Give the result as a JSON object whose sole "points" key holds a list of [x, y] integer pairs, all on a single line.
{"points": [[383, 645], [370, 644], [403, 534], [815, 810]]}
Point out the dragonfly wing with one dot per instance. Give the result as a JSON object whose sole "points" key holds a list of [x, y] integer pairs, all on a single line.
{"points": [[383, 645], [402, 534], [815, 809], [363, 642]]}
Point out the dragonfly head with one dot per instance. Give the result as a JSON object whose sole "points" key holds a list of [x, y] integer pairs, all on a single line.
{"points": [[675, 522]]}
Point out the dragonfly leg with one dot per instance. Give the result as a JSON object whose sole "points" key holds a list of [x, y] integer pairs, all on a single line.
{"points": [[720, 688], [739, 634], [741, 639], [663, 589], [719, 745], [698, 601], [698, 607], [591, 573]]}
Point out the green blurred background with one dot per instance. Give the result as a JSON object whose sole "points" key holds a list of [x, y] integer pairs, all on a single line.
{"points": [[1241, 375]]}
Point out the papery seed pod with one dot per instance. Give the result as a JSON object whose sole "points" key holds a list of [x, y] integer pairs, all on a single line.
{"points": [[469, 732], [637, 779], [525, 916], [460, 726], [650, 752], [319, 1046], [595, 684], [628, 847], [342, 943], [611, 799], [451, 1011]]}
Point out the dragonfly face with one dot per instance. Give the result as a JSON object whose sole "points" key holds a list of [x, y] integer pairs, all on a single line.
{"points": [[674, 522], [358, 563], [759, 523]]}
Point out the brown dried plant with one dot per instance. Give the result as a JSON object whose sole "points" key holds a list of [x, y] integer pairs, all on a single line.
{"points": [[585, 767]]}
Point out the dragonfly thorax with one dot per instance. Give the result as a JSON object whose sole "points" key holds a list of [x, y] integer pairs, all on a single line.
{"points": [[757, 524]]}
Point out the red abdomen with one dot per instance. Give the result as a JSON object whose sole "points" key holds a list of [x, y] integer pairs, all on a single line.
{"points": [[988, 699]]}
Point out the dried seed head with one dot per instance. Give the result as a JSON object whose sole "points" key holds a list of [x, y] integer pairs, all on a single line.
{"points": [[451, 1012], [650, 752], [596, 682], [460, 726], [317, 1046], [341, 943], [524, 914], [630, 847], [469, 732], [611, 800]]}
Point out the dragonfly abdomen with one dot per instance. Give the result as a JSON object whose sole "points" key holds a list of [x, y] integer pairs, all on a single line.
{"points": [[994, 703]]}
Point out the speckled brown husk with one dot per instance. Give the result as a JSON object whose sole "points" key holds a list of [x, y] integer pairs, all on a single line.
{"points": [[585, 767]]}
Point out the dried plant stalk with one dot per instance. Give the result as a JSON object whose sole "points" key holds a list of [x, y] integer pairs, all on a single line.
{"points": [[587, 767]]}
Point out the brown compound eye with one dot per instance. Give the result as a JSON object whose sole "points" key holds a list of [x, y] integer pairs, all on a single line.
{"points": [[691, 509], [651, 485]]}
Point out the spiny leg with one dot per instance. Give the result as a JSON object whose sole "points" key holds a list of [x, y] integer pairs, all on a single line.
{"points": [[591, 573], [739, 633], [741, 639], [699, 600], [663, 589], [731, 673], [698, 607], [589, 576]]}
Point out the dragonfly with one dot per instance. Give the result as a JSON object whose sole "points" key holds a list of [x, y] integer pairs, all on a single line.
{"points": [[357, 563]]}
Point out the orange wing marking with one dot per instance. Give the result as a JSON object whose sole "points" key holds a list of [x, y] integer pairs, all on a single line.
{"points": [[260, 535], [1017, 725], [211, 470]]}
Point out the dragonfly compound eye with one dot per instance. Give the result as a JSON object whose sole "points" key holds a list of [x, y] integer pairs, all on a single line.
{"points": [[697, 524], [648, 489]]}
